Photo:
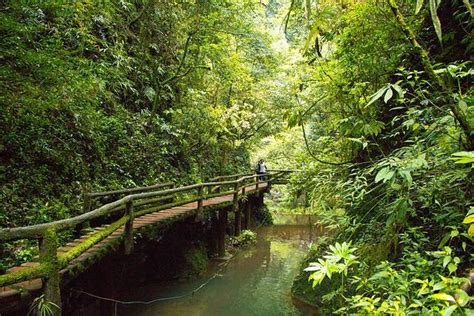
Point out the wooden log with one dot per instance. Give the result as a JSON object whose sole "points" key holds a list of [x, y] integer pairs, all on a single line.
{"points": [[48, 257], [133, 190], [128, 232], [37, 231]]}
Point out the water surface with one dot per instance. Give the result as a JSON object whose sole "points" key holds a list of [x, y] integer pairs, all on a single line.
{"points": [[255, 281]]}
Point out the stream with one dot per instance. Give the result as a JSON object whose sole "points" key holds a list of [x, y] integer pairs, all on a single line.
{"points": [[255, 281]]}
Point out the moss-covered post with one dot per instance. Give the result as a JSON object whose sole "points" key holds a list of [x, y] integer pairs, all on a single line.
{"points": [[238, 222], [248, 206], [221, 232], [236, 210], [48, 257], [128, 232], [200, 199]]}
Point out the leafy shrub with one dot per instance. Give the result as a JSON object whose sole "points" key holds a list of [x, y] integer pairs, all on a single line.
{"points": [[245, 239]]}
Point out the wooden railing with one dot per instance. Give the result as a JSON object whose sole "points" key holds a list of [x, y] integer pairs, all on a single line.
{"points": [[147, 200]]}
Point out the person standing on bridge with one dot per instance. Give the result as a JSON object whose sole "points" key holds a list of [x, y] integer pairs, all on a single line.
{"points": [[261, 168]]}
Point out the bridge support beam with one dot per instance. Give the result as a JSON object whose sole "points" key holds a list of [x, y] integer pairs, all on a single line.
{"points": [[248, 208], [128, 233], [238, 222], [221, 232]]}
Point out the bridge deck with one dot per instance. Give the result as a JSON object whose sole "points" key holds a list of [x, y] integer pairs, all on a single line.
{"points": [[13, 293]]}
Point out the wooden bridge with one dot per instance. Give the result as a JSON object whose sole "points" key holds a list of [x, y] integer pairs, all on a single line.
{"points": [[130, 211]]}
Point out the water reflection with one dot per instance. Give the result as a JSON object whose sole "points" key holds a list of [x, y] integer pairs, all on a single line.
{"points": [[256, 281]]}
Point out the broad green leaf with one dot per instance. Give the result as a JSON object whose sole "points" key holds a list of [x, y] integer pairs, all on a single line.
{"points": [[435, 19], [439, 286], [462, 297], [470, 231], [388, 95], [382, 174], [443, 297], [405, 174], [469, 219], [377, 95], [452, 267], [398, 89], [448, 311], [446, 260]]}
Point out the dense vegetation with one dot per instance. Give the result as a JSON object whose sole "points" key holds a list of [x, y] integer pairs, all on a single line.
{"points": [[372, 100], [387, 104], [100, 95]]}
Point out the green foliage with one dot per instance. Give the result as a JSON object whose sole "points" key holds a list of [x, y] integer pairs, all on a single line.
{"points": [[105, 95], [245, 239], [42, 307], [338, 259], [380, 150]]}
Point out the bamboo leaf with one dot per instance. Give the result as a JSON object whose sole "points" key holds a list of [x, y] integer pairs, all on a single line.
{"points": [[311, 36], [419, 5], [469, 7], [435, 19]]}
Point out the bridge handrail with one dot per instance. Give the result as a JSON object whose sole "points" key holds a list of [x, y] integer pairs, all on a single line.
{"points": [[42, 231], [231, 176], [36, 231], [131, 190]]}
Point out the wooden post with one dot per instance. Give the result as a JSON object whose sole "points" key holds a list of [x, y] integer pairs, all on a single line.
{"points": [[236, 210], [200, 201], [48, 257], [238, 222], [86, 207], [128, 232], [214, 233], [221, 232], [248, 207], [256, 184]]}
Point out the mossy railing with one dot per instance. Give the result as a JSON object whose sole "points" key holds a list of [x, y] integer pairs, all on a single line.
{"points": [[136, 202]]}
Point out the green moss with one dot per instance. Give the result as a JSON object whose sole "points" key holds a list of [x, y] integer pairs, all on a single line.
{"points": [[197, 260], [25, 274]]}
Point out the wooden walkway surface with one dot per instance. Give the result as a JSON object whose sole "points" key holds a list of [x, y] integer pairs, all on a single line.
{"points": [[14, 292]]}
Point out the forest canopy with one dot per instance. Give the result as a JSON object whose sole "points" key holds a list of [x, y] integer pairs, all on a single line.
{"points": [[371, 100]]}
